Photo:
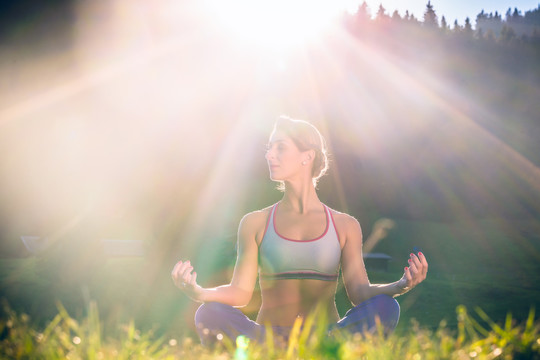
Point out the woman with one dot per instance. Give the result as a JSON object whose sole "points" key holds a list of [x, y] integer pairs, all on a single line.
{"points": [[296, 247]]}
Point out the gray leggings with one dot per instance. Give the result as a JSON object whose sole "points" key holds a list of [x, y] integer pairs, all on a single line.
{"points": [[214, 320]]}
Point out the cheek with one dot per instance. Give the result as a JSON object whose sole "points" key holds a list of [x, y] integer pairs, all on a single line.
{"points": [[285, 157], [291, 160]]}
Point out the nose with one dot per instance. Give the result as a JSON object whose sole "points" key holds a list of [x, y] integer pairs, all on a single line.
{"points": [[269, 154]]}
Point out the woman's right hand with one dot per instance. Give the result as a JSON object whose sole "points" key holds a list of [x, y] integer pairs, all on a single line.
{"points": [[186, 280]]}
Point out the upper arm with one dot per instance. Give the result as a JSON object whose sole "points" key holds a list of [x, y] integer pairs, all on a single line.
{"points": [[245, 270], [353, 269]]}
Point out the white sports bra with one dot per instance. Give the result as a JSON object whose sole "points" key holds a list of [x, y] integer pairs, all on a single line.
{"points": [[282, 258]]}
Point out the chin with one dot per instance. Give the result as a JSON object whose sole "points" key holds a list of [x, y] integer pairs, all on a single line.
{"points": [[275, 178]]}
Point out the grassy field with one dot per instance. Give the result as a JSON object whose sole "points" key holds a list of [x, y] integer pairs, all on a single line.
{"points": [[493, 265], [67, 338]]}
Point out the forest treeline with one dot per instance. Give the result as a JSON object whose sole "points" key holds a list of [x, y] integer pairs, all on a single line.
{"points": [[514, 26], [487, 71]]}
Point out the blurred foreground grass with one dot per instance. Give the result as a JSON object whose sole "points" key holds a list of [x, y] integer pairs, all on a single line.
{"points": [[66, 338], [493, 265]]}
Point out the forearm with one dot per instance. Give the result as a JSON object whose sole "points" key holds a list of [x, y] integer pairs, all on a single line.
{"points": [[366, 291], [225, 294], [392, 289]]}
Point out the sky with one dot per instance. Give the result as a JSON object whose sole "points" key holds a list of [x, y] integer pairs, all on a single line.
{"points": [[453, 9]]}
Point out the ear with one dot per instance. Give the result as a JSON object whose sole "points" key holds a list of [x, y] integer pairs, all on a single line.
{"points": [[309, 155]]}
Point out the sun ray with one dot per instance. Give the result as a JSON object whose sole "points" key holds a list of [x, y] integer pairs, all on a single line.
{"points": [[410, 79]]}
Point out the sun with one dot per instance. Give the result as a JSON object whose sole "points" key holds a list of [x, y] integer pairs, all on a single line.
{"points": [[276, 25]]}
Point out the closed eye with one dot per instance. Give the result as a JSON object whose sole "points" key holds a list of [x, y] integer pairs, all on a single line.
{"points": [[281, 145]]}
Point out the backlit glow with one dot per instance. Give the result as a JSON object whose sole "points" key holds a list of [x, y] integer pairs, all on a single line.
{"points": [[275, 25]]}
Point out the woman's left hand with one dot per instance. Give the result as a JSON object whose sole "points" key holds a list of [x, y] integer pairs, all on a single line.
{"points": [[415, 273]]}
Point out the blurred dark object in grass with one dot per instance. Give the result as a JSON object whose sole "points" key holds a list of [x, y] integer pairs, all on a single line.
{"points": [[35, 244], [376, 261], [72, 258]]}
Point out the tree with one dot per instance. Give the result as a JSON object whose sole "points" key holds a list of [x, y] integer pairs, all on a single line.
{"points": [[430, 18], [456, 28], [535, 37], [507, 34], [508, 15], [395, 16], [516, 15], [481, 16], [468, 27], [362, 14], [407, 17], [381, 13], [490, 35], [444, 24], [479, 33], [532, 16]]}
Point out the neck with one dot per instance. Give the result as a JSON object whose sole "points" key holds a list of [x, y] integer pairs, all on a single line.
{"points": [[301, 197]]}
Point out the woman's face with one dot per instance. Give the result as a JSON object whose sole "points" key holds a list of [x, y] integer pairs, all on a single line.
{"points": [[283, 156]]}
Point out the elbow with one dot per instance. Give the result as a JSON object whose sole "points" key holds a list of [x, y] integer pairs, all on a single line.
{"points": [[239, 302], [244, 300], [358, 295], [240, 298], [355, 300]]}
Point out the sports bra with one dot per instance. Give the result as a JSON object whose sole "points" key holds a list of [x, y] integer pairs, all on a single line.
{"points": [[283, 258]]}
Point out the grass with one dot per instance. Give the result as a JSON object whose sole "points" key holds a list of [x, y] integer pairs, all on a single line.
{"points": [[66, 338], [490, 264], [122, 295]]}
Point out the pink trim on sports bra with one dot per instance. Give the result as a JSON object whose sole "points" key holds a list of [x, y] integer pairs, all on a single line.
{"points": [[286, 238], [335, 227], [267, 223]]}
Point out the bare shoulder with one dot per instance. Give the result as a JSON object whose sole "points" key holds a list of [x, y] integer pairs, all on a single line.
{"points": [[253, 224], [344, 221], [255, 218], [347, 227]]}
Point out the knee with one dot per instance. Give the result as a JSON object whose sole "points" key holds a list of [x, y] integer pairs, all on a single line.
{"points": [[209, 314], [387, 309], [210, 321]]}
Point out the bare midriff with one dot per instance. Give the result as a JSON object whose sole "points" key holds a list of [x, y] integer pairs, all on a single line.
{"points": [[285, 300]]}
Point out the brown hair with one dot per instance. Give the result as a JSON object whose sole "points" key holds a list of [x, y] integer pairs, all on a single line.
{"points": [[306, 137]]}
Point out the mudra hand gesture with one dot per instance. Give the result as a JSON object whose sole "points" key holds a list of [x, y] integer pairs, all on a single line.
{"points": [[186, 280], [415, 273]]}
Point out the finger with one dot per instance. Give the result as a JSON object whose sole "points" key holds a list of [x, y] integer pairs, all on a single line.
{"points": [[417, 273], [423, 261], [186, 269], [412, 267], [408, 275], [186, 280], [416, 261], [420, 267], [182, 268], [193, 279], [174, 273], [175, 268], [420, 270], [187, 274]]}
